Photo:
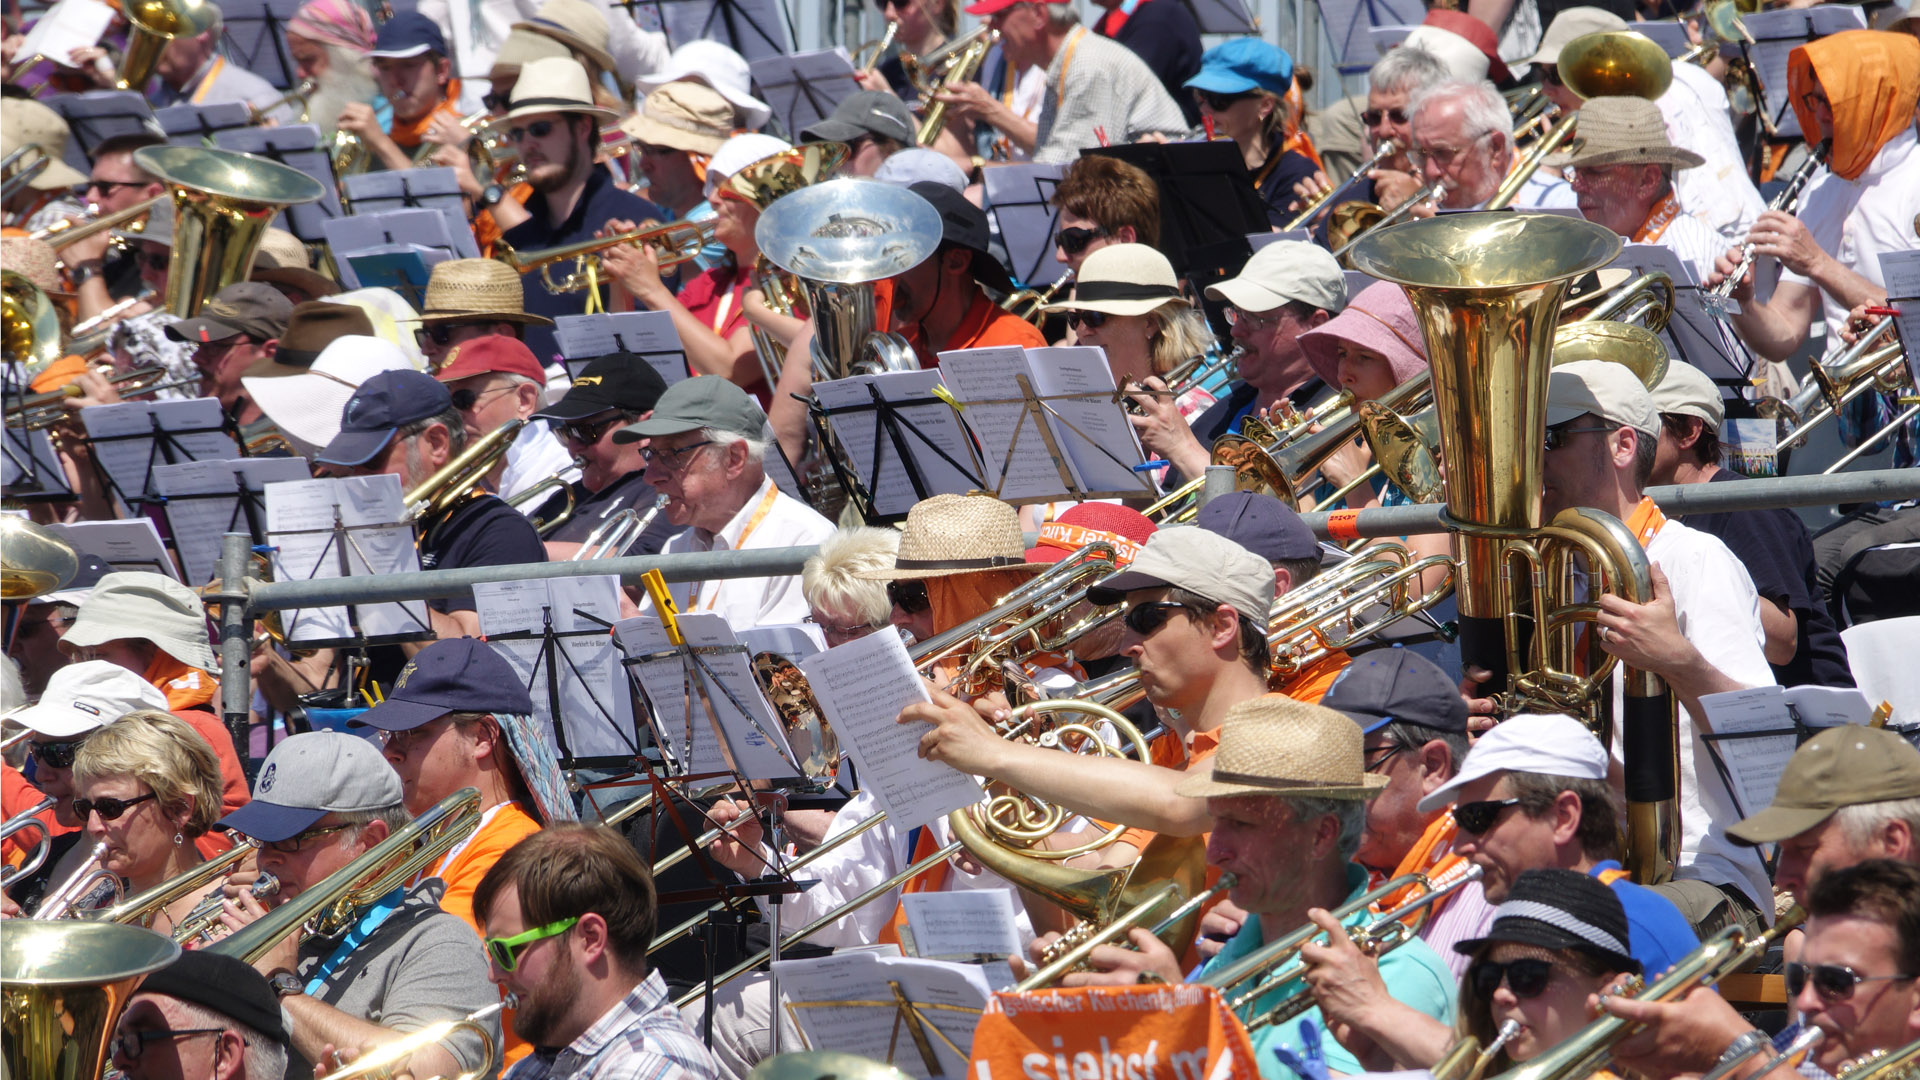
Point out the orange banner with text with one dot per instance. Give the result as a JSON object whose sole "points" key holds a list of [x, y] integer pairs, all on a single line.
{"points": [[1154, 1032]]}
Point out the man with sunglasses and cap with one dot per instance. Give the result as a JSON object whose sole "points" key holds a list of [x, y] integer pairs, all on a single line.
{"points": [[202, 1017], [493, 381], [942, 304], [322, 799], [610, 393], [239, 327], [471, 298]]}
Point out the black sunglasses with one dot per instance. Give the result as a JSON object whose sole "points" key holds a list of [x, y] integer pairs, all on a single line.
{"points": [[539, 129], [467, 397], [495, 102], [1220, 102], [55, 755], [1074, 240], [1558, 437], [587, 432], [909, 596], [1372, 117], [1093, 319], [1833, 982], [109, 808], [1478, 817], [1144, 619], [1527, 977]]}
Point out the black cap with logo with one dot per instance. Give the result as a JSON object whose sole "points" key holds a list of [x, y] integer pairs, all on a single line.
{"points": [[622, 380]]}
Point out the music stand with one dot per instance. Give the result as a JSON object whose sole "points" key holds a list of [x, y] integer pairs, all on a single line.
{"points": [[1020, 201], [396, 250], [296, 146], [916, 1017], [256, 38], [1347, 22], [311, 538], [426, 188], [129, 544], [1692, 336], [1206, 194], [1224, 16], [904, 439], [554, 632], [1668, 34], [1775, 35], [755, 29], [205, 500], [804, 88], [29, 469], [196, 125], [647, 334], [131, 438], [98, 115]]}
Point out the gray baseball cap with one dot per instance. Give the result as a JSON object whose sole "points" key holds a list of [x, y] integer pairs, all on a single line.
{"points": [[1284, 271], [311, 775], [705, 401], [1199, 561]]}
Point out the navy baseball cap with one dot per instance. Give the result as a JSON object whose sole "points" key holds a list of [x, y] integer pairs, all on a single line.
{"points": [[383, 405], [408, 34], [1260, 523], [1397, 686], [448, 676]]}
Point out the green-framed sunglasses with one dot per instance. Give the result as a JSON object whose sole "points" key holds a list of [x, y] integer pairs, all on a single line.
{"points": [[505, 951]]}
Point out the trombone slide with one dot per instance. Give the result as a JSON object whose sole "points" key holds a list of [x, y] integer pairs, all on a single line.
{"points": [[1068, 961]]}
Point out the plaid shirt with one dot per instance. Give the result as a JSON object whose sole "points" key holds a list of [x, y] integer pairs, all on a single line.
{"points": [[643, 1037]]}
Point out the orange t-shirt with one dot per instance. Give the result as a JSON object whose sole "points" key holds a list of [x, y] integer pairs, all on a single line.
{"points": [[1312, 682], [186, 687], [985, 323], [462, 872], [17, 795]]}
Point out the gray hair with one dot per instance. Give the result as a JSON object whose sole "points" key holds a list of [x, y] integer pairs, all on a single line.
{"points": [[1351, 813], [396, 817], [1406, 70], [449, 419], [1860, 821], [1482, 107], [831, 578], [756, 448], [1413, 737], [265, 1057], [1061, 16]]}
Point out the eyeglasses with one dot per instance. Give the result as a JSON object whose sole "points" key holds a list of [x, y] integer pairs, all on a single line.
{"points": [[1387, 753], [1091, 319], [55, 755], [1478, 817], [539, 129], [402, 741], [129, 1045], [1833, 982], [441, 333], [109, 809], [1558, 437], [292, 844], [496, 102], [1254, 321], [909, 596], [832, 631], [505, 952], [1443, 156], [1144, 619], [1074, 240], [587, 432], [1220, 102], [466, 397], [672, 460], [1527, 977], [1372, 117]]}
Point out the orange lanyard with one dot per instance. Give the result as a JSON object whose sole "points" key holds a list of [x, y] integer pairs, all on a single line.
{"points": [[1658, 221], [1066, 62], [1646, 520], [759, 514], [206, 81]]}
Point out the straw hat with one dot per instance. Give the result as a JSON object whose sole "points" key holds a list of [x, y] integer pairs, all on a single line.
{"points": [[576, 24], [1122, 279], [282, 260], [476, 289], [1622, 131], [1274, 745], [683, 116], [23, 123], [554, 84], [957, 534], [34, 260]]}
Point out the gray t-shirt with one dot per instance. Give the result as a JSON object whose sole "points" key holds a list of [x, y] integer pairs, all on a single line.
{"points": [[418, 967]]}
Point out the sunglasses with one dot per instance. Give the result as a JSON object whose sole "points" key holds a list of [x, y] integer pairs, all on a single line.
{"points": [[109, 809], [1478, 817], [1558, 437], [1833, 982], [55, 755], [675, 459], [539, 129], [495, 102], [1527, 977], [1254, 321], [1074, 240], [1219, 102], [1372, 117], [587, 432], [1092, 319], [909, 596], [1144, 619], [505, 951], [467, 397]]}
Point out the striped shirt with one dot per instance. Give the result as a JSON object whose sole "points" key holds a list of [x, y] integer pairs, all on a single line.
{"points": [[643, 1037]]}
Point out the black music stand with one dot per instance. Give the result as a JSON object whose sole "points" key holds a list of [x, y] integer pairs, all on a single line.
{"points": [[434, 188], [29, 469], [256, 38], [554, 657], [163, 446], [892, 431], [197, 125], [753, 28], [1020, 201], [1038, 410], [297, 146], [98, 115], [1206, 194], [804, 88], [342, 544], [245, 511]]}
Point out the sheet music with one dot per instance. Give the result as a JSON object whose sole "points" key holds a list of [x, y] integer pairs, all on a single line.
{"points": [[791, 640], [128, 544], [200, 525], [692, 749], [1829, 706], [893, 489], [194, 433], [862, 685], [29, 468], [1900, 270], [650, 334], [1756, 763], [300, 525], [1692, 336], [596, 711], [1668, 34], [1005, 431], [803, 88], [962, 925], [1018, 199], [68, 25], [1347, 22], [1096, 422], [949, 996], [755, 740]]}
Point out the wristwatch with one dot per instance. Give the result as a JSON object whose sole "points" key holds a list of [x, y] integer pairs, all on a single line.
{"points": [[1742, 1047], [491, 196], [286, 984], [80, 273]]}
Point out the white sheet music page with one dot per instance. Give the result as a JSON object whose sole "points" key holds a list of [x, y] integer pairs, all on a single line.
{"points": [[982, 375], [962, 925], [933, 422], [124, 438], [1086, 424], [949, 997], [1900, 270], [596, 712], [691, 747], [300, 526], [862, 686], [1755, 763], [753, 737], [128, 544], [203, 503], [68, 25]]}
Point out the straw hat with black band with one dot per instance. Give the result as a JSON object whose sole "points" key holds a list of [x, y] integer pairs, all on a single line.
{"points": [[1122, 279], [957, 534], [475, 290], [1276, 746], [554, 85]]}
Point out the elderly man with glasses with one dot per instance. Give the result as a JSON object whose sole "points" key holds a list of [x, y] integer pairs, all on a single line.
{"points": [[609, 393], [493, 381], [323, 799], [1463, 139], [202, 1017]]}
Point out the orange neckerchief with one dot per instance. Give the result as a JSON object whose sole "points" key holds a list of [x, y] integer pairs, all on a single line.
{"points": [[1431, 855], [409, 134], [185, 687], [1608, 877], [486, 230], [1657, 221], [957, 598], [1872, 80], [1646, 520], [58, 374], [1297, 138]]}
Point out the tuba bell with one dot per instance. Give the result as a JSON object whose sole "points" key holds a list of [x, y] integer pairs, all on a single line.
{"points": [[222, 204], [29, 323], [1610, 63], [33, 561], [153, 23], [63, 986]]}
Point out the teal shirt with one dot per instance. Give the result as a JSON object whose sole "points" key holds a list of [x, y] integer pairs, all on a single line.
{"points": [[1414, 975]]}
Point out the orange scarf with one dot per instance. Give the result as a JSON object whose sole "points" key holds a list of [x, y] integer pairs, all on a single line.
{"points": [[409, 134], [1431, 855], [1657, 221], [1646, 520], [185, 687], [1872, 81]]}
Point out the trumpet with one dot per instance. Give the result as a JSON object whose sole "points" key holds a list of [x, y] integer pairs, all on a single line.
{"points": [[1894, 1064], [955, 62], [611, 537], [385, 1060], [37, 855], [90, 880], [1797, 1051], [199, 923], [679, 241], [1259, 432], [1380, 154], [1787, 201], [1031, 304], [1865, 365], [1199, 370], [1079, 946], [36, 411], [61, 233]]}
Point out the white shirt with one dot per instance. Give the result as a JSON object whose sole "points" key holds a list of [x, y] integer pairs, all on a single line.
{"points": [[482, 25], [1719, 613], [536, 454], [1856, 220], [1541, 191], [1719, 194], [1694, 241], [750, 602]]}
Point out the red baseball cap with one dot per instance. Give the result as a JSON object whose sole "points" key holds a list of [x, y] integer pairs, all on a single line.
{"points": [[992, 7], [1127, 530], [1477, 33], [493, 352]]}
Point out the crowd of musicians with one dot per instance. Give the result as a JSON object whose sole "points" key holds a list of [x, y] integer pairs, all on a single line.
{"points": [[1288, 780]]}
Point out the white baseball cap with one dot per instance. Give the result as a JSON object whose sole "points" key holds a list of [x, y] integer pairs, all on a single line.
{"points": [[1685, 390], [1552, 744], [1608, 390], [307, 406], [1200, 561], [87, 696], [718, 66], [1283, 271]]}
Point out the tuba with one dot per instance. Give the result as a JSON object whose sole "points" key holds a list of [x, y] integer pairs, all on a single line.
{"points": [[33, 561], [63, 986], [1487, 288], [761, 183], [153, 23], [29, 323], [222, 204]]}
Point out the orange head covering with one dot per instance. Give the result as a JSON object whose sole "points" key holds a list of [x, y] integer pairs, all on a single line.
{"points": [[1872, 81]]}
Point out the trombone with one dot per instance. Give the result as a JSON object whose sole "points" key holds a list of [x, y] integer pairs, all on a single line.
{"points": [[142, 906], [679, 241], [36, 411], [1608, 63], [37, 855], [612, 536], [388, 1059], [1062, 962], [1380, 154], [20, 170]]}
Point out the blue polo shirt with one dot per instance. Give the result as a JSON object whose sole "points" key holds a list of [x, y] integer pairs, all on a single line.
{"points": [[601, 202], [1657, 933]]}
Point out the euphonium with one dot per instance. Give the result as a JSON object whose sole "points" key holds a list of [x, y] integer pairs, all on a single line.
{"points": [[453, 483], [953, 63], [678, 241], [29, 324], [33, 561], [762, 183], [1610, 63], [222, 205], [153, 23], [62, 987], [1646, 300]]}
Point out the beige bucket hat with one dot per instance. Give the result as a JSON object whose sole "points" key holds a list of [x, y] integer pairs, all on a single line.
{"points": [[1274, 745], [23, 123], [683, 116], [576, 24], [476, 289], [554, 84], [282, 260], [523, 47], [958, 534], [1622, 131]]}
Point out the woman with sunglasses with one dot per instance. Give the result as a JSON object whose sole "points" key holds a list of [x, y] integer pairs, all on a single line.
{"points": [[148, 786], [1244, 89], [1128, 302], [1558, 939]]}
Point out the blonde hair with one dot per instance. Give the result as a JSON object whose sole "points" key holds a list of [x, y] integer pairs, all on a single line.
{"points": [[1176, 332], [830, 579], [163, 752]]}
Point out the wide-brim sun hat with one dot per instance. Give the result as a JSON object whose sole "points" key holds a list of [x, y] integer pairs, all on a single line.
{"points": [[957, 534], [687, 116], [1622, 130], [576, 24], [307, 406], [554, 84], [1122, 279], [470, 289], [1276, 746], [147, 607], [1380, 319], [718, 66]]}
